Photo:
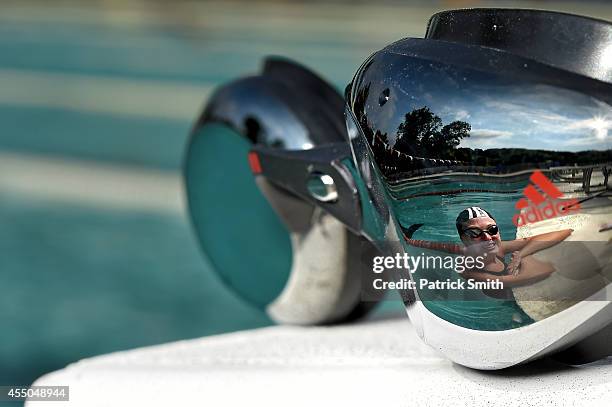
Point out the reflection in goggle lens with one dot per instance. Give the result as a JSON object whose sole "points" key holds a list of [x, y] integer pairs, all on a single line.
{"points": [[535, 157]]}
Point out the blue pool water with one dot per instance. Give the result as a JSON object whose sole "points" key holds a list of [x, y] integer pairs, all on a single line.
{"points": [[78, 281]]}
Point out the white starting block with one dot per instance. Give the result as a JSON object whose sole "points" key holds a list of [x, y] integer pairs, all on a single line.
{"points": [[373, 363]]}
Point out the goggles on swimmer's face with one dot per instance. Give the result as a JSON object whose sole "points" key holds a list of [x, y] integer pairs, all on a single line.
{"points": [[475, 233]]}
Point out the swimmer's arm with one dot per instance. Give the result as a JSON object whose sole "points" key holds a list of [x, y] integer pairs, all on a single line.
{"points": [[510, 281], [533, 244], [544, 241]]}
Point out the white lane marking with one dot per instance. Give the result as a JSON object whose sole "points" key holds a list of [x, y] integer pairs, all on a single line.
{"points": [[209, 14], [103, 94], [94, 184], [209, 50], [199, 14]]}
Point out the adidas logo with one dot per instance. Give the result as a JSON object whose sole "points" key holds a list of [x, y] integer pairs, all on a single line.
{"points": [[542, 208]]}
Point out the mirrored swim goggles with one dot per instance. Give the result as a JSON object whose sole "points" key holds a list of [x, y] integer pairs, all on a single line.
{"points": [[500, 109]]}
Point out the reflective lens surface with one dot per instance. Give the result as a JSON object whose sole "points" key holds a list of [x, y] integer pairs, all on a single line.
{"points": [[464, 164]]}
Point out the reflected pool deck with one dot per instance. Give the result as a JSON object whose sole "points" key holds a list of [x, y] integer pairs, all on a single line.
{"points": [[379, 362]]}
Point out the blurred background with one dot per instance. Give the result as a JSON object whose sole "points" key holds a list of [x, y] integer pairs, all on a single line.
{"points": [[96, 102]]}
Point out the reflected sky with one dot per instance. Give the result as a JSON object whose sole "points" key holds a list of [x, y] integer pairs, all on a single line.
{"points": [[532, 116], [503, 113]]}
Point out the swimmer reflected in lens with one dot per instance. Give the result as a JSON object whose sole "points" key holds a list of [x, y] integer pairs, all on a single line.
{"points": [[481, 236]]}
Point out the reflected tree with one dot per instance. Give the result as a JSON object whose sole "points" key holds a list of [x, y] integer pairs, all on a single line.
{"points": [[422, 134], [424, 145]]}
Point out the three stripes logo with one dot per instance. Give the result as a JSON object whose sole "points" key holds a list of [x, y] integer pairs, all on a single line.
{"points": [[544, 203]]}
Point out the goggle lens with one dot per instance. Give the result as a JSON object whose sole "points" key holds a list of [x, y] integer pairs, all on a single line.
{"points": [[475, 233]]}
